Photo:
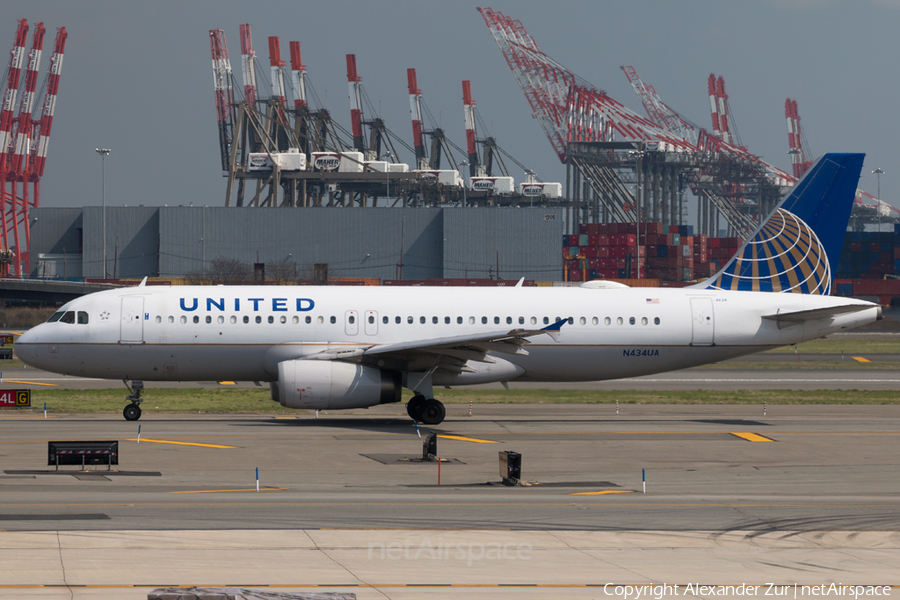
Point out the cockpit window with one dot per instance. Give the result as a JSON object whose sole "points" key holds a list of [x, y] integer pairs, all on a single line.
{"points": [[82, 317], [55, 316], [69, 317]]}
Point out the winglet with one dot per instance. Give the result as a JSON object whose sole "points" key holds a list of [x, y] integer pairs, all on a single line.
{"points": [[553, 330]]}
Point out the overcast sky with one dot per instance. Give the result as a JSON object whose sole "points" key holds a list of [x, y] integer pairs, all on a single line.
{"points": [[137, 77]]}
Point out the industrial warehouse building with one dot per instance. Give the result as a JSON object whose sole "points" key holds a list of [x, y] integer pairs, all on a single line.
{"points": [[387, 243]]}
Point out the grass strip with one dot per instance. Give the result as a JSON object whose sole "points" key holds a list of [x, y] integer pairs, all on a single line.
{"points": [[184, 401]]}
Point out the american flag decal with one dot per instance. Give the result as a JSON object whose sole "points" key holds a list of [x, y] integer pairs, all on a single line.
{"points": [[652, 300]]}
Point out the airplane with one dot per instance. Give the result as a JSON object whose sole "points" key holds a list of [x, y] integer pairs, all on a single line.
{"points": [[335, 348]]}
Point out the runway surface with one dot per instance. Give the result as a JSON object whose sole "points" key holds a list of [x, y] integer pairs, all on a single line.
{"points": [[806, 493]]}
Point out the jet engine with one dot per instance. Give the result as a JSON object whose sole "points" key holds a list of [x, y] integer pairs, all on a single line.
{"points": [[325, 384]]}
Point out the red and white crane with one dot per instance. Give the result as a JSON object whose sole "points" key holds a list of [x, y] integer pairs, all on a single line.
{"points": [[222, 81], [248, 65], [471, 136], [277, 69], [298, 75], [800, 156], [415, 113], [356, 113], [24, 141]]}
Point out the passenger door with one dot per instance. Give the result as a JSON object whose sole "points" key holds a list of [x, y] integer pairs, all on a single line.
{"points": [[703, 323], [131, 329]]}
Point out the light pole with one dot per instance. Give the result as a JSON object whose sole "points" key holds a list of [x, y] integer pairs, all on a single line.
{"points": [[877, 172], [103, 152], [531, 175]]}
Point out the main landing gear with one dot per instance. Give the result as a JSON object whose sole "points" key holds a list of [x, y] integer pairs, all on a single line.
{"points": [[424, 410], [132, 412]]}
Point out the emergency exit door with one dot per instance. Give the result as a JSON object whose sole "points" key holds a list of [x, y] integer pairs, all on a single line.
{"points": [[703, 322], [131, 330]]}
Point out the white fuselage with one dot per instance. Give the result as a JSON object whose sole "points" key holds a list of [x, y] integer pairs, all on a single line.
{"points": [[243, 332]]}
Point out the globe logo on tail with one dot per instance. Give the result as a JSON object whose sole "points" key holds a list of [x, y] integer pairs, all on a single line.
{"points": [[785, 255]]}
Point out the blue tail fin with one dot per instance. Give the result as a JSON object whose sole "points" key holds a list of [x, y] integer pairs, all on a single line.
{"points": [[797, 247]]}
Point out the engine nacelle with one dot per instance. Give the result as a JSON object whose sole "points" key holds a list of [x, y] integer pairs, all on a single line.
{"points": [[325, 384]]}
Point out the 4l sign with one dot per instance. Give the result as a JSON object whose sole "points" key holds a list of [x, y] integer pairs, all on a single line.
{"points": [[15, 398]]}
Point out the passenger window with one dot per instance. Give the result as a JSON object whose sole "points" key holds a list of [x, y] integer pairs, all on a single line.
{"points": [[459, 320], [484, 320], [496, 320], [351, 319], [582, 321], [631, 321], [69, 317], [308, 319], [471, 320], [184, 319], [521, 320], [571, 320], [158, 319], [172, 319], [546, 320], [410, 320], [196, 319], [283, 319], [233, 319], [607, 320], [434, 320], [643, 320], [385, 320], [619, 321], [397, 320], [208, 319], [509, 320], [246, 319], [333, 320], [258, 319], [371, 320], [83, 318], [422, 320], [656, 321], [295, 320], [447, 320], [595, 321], [320, 320], [220, 319], [534, 320], [55, 317]]}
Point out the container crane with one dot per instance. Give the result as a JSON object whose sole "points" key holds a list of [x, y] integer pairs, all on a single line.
{"points": [[415, 112], [224, 90], [800, 156]]}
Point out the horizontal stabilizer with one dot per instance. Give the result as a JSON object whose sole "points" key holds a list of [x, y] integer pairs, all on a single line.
{"points": [[800, 316]]}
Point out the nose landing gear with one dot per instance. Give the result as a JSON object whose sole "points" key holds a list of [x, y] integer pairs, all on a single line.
{"points": [[132, 412]]}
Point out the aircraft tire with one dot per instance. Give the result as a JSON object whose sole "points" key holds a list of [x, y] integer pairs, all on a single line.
{"points": [[414, 407], [132, 412], [433, 412]]}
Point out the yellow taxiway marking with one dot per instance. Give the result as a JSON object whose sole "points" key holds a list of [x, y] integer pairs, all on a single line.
{"points": [[30, 382], [751, 437], [293, 418], [465, 439], [226, 383], [861, 359], [206, 584], [179, 443], [268, 489], [602, 493]]}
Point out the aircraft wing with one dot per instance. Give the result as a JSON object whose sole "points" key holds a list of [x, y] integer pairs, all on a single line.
{"points": [[452, 353], [799, 316]]}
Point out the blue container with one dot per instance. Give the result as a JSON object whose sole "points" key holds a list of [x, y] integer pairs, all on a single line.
{"points": [[865, 268], [854, 236], [896, 265], [623, 274], [662, 251], [845, 289], [593, 274], [875, 257]]}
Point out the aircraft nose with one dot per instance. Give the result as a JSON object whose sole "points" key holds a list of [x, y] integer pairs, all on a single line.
{"points": [[26, 346]]}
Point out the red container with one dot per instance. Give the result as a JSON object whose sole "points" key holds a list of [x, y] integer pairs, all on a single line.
{"points": [[856, 247], [630, 239], [588, 251], [593, 239], [603, 251], [715, 242], [593, 228], [687, 240], [874, 247], [582, 228], [603, 228], [575, 275], [593, 263], [602, 239]]}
